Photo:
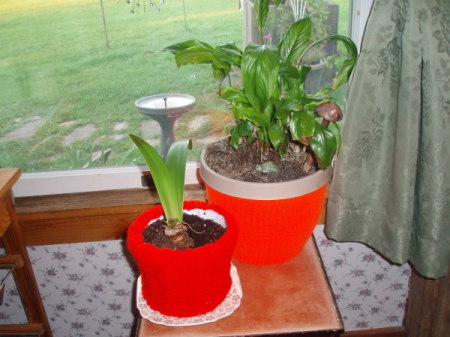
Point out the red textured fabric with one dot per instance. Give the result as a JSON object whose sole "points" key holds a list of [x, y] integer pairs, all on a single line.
{"points": [[183, 283], [271, 231]]}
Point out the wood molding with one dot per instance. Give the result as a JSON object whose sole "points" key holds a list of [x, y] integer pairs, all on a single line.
{"points": [[428, 309], [90, 216], [92, 200], [383, 332], [85, 217]]}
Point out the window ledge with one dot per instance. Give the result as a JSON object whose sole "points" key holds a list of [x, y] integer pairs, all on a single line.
{"points": [[87, 216]]}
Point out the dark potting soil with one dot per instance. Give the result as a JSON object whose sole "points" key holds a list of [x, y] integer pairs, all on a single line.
{"points": [[202, 231], [240, 164]]}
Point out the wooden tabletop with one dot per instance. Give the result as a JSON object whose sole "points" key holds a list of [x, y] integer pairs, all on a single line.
{"points": [[293, 297]]}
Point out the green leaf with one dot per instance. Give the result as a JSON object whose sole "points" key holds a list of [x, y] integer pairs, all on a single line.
{"points": [[197, 52], [231, 53], [260, 66], [296, 40], [282, 113], [233, 95], [166, 184], [324, 145], [303, 74], [197, 55], [262, 9], [276, 135], [259, 119], [219, 73], [292, 104], [179, 47], [345, 70], [176, 162], [302, 125], [288, 70], [336, 130], [242, 129]]}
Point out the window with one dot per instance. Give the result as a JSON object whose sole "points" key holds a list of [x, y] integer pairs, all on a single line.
{"points": [[71, 71], [70, 76]]}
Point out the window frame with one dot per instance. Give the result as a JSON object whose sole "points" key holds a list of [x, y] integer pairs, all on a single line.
{"points": [[127, 177]]}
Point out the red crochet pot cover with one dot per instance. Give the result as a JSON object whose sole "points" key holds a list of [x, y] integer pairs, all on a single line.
{"points": [[183, 283], [271, 231]]}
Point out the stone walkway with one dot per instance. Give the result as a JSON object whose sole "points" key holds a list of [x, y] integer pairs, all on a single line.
{"points": [[148, 128], [79, 133], [25, 131]]}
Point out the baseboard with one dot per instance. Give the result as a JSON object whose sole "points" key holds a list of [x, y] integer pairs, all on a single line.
{"points": [[384, 332]]}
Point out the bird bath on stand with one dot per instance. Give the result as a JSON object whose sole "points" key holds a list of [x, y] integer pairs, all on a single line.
{"points": [[165, 109]]}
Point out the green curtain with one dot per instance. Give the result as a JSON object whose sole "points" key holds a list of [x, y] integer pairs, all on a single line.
{"points": [[390, 188]]}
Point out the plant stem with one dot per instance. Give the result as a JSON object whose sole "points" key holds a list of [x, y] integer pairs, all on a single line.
{"points": [[178, 236]]}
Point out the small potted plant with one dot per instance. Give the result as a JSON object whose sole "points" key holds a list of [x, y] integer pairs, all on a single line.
{"points": [[282, 141], [182, 249]]}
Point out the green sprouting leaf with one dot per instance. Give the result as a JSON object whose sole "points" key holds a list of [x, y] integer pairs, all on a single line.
{"points": [[324, 145], [302, 125], [165, 175], [296, 40]]}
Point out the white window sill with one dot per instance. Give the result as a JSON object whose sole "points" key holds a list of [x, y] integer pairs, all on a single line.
{"points": [[88, 180]]}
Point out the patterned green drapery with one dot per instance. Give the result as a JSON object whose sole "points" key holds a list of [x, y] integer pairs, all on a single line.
{"points": [[391, 188]]}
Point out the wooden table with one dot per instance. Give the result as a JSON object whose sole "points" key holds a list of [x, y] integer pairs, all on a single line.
{"points": [[289, 298], [17, 258]]}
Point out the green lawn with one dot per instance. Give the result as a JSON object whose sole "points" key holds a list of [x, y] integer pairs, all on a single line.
{"points": [[54, 64]]}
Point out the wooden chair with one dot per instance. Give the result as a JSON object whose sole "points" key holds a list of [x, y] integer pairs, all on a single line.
{"points": [[17, 258]]}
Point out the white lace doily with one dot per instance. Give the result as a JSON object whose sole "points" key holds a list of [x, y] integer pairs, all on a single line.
{"points": [[226, 308]]}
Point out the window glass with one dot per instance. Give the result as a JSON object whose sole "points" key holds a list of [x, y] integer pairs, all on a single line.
{"points": [[71, 71]]}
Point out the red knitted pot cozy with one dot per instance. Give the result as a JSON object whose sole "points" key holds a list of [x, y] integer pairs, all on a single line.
{"points": [[271, 231], [183, 283]]}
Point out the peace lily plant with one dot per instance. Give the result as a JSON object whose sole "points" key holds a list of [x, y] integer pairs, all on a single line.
{"points": [[270, 106], [168, 177]]}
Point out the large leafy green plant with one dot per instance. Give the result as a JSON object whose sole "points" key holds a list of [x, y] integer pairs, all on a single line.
{"points": [[168, 176], [271, 106]]}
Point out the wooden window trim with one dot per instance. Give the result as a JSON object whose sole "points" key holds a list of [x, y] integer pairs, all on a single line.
{"points": [[87, 216]]}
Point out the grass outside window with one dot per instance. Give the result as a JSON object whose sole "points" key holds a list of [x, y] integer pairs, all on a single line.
{"points": [[56, 72]]}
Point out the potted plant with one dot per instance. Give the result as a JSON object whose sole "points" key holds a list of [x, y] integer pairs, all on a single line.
{"points": [[277, 125], [182, 249]]}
